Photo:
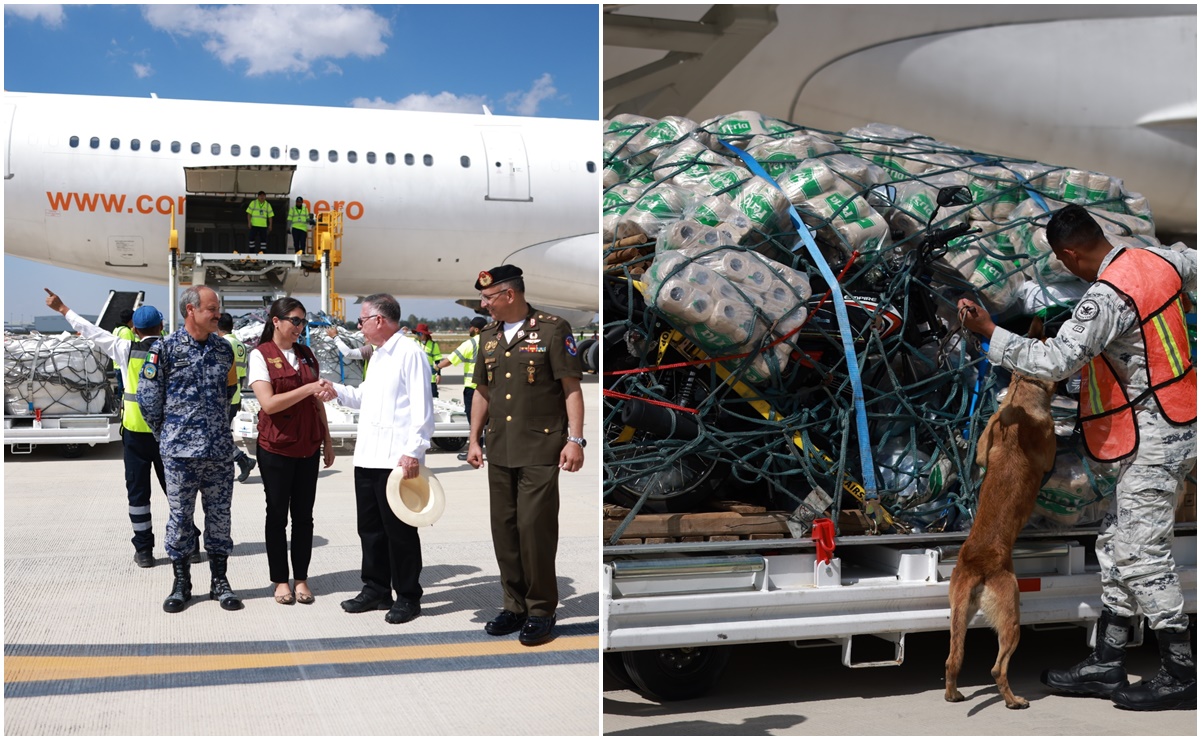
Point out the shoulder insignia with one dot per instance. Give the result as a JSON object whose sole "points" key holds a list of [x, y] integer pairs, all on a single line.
{"points": [[569, 342], [150, 367]]}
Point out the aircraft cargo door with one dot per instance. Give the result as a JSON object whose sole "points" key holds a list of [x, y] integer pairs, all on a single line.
{"points": [[215, 213], [508, 169]]}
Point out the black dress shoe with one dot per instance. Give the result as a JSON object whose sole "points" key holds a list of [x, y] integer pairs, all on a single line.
{"points": [[404, 611], [143, 558], [366, 602], [537, 630], [506, 623]]}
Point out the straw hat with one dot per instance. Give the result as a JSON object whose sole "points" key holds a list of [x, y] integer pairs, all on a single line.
{"points": [[418, 501]]}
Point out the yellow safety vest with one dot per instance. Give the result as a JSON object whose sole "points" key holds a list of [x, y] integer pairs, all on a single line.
{"points": [[132, 419], [298, 218], [433, 353], [259, 212], [124, 332], [241, 363], [466, 353]]}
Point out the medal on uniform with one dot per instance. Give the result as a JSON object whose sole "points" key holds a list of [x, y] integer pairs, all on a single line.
{"points": [[529, 374], [490, 346], [533, 337]]}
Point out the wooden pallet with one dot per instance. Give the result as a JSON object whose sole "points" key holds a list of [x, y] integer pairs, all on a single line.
{"points": [[734, 522]]}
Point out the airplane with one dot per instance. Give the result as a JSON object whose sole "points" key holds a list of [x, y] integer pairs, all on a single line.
{"points": [[428, 199], [1110, 88]]}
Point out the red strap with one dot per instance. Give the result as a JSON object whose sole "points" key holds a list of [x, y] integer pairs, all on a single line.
{"points": [[823, 536]]}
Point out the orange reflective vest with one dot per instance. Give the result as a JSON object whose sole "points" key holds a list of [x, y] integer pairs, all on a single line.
{"points": [[1152, 284]]}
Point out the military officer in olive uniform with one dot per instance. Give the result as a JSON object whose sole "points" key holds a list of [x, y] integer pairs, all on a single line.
{"points": [[528, 393], [187, 382]]}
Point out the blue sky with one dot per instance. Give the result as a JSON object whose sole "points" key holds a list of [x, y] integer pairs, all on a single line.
{"points": [[533, 60]]}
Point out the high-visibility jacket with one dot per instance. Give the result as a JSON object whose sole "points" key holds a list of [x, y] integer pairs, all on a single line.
{"points": [[433, 352], [298, 218], [465, 353], [260, 211], [1107, 420], [241, 364], [131, 418], [124, 332]]}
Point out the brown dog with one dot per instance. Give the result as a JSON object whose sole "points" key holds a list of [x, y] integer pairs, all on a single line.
{"points": [[1017, 449]]}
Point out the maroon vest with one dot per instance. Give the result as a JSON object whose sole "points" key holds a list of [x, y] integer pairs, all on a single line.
{"points": [[297, 430]]}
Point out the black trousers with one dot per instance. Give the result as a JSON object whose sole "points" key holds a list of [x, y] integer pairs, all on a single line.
{"points": [[299, 238], [141, 455], [391, 548], [258, 238], [234, 408], [468, 394], [291, 484]]}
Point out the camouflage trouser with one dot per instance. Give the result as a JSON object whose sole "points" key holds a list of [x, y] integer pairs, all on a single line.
{"points": [[1134, 547], [214, 481]]}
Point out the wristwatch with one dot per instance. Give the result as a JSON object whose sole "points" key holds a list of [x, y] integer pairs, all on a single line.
{"points": [[578, 440]]}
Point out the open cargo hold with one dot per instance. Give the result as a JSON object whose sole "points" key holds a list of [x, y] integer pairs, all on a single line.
{"points": [[727, 379]]}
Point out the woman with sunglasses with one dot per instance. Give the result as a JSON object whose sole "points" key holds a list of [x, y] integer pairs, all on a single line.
{"points": [[283, 374]]}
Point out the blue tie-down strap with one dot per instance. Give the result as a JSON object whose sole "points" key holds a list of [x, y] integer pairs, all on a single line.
{"points": [[866, 461]]}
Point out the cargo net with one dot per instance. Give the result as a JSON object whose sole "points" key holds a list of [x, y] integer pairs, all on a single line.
{"points": [[54, 376], [334, 367], [724, 372]]}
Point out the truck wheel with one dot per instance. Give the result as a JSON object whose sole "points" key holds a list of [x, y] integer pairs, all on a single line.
{"points": [[615, 668], [450, 444], [678, 673], [70, 452]]}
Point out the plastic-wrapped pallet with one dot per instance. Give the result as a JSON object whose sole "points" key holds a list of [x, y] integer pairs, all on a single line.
{"points": [[727, 299], [333, 366], [59, 376], [646, 145]]}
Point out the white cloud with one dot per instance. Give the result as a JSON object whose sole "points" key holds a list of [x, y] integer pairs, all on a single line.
{"points": [[331, 68], [50, 15], [525, 103], [276, 38], [443, 102], [142, 70]]}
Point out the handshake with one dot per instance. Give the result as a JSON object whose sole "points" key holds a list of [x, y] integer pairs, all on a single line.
{"points": [[323, 390]]}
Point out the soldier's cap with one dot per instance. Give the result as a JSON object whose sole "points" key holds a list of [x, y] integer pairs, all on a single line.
{"points": [[422, 329], [479, 322], [497, 275], [147, 317]]}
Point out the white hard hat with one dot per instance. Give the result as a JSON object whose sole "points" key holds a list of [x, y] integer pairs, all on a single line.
{"points": [[418, 501]]}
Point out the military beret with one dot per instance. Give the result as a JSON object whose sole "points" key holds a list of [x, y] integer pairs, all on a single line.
{"points": [[497, 275]]}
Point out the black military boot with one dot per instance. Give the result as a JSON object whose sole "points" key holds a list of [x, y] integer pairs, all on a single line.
{"points": [[1103, 672], [221, 589], [1174, 687], [181, 590]]}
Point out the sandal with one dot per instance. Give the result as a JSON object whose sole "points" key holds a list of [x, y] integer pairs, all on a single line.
{"points": [[285, 599], [305, 598]]}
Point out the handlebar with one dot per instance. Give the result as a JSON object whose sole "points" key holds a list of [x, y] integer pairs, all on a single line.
{"points": [[935, 243]]}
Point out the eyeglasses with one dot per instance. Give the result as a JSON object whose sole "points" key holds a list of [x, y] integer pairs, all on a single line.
{"points": [[368, 318], [492, 297], [295, 320]]}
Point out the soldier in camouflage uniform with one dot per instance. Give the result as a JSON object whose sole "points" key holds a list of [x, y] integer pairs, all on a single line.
{"points": [[184, 392], [528, 390], [1134, 545]]}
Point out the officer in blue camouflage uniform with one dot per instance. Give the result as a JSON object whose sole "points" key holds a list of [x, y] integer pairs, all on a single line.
{"points": [[184, 393]]}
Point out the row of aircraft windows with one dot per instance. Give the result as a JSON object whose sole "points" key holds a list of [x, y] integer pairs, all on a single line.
{"points": [[275, 152]]}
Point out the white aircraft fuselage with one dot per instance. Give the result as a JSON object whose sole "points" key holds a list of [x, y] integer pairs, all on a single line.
{"points": [[448, 195]]}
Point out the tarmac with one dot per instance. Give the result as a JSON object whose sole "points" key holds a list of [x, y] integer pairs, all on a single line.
{"points": [[89, 651]]}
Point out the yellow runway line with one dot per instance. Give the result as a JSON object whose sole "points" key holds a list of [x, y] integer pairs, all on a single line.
{"points": [[19, 669]]}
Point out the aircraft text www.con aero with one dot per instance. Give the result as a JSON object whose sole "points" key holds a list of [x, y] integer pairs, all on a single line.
{"points": [[165, 204]]}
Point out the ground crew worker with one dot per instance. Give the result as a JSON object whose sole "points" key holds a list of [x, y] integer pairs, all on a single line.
{"points": [[124, 330], [1138, 404], [259, 217], [140, 448], [184, 393], [225, 327], [465, 355], [432, 351], [299, 220], [528, 374]]}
